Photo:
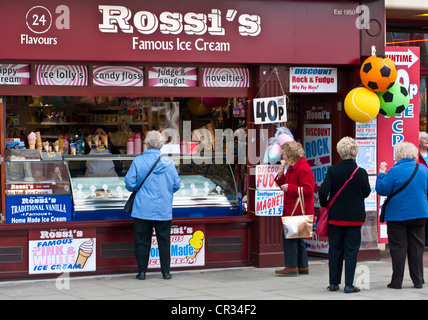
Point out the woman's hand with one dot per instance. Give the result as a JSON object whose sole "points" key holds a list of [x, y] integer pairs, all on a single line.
{"points": [[284, 187]]}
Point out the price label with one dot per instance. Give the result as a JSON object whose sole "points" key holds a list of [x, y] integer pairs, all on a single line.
{"points": [[270, 110]]}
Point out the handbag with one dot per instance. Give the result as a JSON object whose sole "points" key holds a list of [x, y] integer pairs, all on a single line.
{"points": [[322, 223], [296, 227], [382, 210], [130, 202]]}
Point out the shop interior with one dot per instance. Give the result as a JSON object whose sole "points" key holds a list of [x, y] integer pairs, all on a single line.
{"points": [[111, 130]]}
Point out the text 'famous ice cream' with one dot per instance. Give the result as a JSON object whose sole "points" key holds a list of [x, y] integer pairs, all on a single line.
{"points": [[85, 251]]}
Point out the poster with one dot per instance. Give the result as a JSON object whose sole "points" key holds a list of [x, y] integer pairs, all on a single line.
{"points": [[265, 177], [366, 130], [187, 247], [62, 250], [313, 79], [317, 146], [38, 208], [269, 203], [404, 127], [366, 157]]}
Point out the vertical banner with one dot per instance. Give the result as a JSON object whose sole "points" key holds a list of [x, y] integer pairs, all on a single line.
{"points": [[404, 127], [317, 146]]}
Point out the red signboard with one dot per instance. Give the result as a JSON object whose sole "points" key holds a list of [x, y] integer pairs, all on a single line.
{"points": [[404, 127], [310, 32]]}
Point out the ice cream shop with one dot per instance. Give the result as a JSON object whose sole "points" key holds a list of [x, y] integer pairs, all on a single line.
{"points": [[81, 83]]}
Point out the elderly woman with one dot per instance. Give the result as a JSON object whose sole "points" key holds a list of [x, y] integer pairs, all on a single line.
{"points": [[406, 213], [346, 215], [423, 148], [299, 174], [153, 203]]}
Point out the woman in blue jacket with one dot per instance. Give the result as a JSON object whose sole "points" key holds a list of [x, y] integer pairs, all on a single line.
{"points": [[153, 203], [406, 213]]}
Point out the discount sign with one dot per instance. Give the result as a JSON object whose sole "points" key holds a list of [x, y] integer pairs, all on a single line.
{"points": [[270, 110]]}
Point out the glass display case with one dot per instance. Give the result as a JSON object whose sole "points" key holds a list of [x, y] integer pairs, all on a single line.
{"points": [[36, 191], [206, 189]]}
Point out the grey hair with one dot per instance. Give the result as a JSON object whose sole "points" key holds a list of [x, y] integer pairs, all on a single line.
{"points": [[405, 150], [422, 134], [347, 148], [154, 140]]}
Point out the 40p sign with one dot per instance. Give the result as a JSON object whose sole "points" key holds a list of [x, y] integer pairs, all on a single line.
{"points": [[270, 110]]}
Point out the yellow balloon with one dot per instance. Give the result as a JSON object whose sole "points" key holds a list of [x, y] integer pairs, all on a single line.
{"points": [[362, 105]]}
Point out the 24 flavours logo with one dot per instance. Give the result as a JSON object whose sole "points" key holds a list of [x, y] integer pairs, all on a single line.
{"points": [[40, 20]]}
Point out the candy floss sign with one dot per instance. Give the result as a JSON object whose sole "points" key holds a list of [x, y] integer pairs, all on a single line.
{"points": [[62, 250]]}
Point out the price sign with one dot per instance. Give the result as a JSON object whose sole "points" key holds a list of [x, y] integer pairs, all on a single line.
{"points": [[270, 110]]}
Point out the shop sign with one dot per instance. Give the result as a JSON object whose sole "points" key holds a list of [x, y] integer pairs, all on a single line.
{"points": [[265, 177], [366, 157], [61, 75], [317, 146], [304, 79], [62, 250], [270, 110], [40, 208], [173, 77], [404, 127], [269, 203], [366, 130], [17, 74], [118, 76], [226, 77], [28, 188], [187, 247]]}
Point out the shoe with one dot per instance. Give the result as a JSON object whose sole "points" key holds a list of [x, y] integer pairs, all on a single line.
{"points": [[303, 270], [333, 287], [167, 276], [287, 272], [141, 276], [351, 289], [419, 286], [391, 286]]}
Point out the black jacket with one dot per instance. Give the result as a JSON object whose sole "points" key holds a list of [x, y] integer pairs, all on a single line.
{"points": [[349, 205]]}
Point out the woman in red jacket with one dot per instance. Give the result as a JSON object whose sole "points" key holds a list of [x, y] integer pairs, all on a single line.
{"points": [[299, 174]]}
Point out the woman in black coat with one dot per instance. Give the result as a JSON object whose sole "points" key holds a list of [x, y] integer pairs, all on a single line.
{"points": [[346, 215]]}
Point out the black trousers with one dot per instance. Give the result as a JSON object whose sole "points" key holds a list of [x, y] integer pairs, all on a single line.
{"points": [[143, 239], [295, 255], [344, 243], [407, 238]]}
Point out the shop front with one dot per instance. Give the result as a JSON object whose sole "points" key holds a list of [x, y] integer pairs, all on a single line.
{"points": [[81, 83]]}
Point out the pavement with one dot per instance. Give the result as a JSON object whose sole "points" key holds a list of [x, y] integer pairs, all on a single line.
{"points": [[210, 286]]}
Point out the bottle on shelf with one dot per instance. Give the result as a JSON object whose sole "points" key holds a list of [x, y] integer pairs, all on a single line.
{"points": [[137, 143], [73, 146], [65, 146], [81, 145], [60, 142]]}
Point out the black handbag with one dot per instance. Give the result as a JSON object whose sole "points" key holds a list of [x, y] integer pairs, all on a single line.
{"points": [[382, 210], [130, 203]]}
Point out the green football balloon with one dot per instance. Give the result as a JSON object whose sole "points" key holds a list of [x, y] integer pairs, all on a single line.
{"points": [[394, 100]]}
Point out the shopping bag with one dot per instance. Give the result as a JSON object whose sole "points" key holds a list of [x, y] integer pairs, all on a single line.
{"points": [[322, 223], [296, 227]]}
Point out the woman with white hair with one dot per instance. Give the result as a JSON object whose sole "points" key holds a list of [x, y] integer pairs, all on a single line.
{"points": [[346, 215], [153, 203], [406, 213], [423, 148]]}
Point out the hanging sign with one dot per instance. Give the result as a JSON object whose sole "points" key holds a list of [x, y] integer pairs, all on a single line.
{"points": [[62, 250], [173, 77], [270, 110], [313, 79], [226, 77], [119, 76], [61, 75], [17, 74]]}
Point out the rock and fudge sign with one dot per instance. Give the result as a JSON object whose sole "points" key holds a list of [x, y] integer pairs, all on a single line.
{"points": [[313, 79]]}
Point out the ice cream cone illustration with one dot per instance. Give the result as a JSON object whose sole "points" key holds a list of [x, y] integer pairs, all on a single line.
{"points": [[85, 251], [196, 242]]}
